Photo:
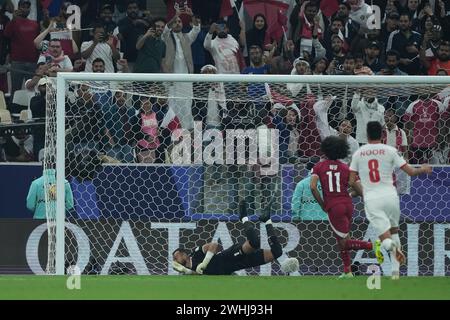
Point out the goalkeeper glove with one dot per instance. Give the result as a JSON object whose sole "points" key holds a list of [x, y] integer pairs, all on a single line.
{"points": [[180, 268], [204, 264]]}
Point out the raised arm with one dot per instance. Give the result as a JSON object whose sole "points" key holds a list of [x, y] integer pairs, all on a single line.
{"points": [[192, 35], [38, 40], [149, 34], [355, 102], [321, 109], [208, 39]]}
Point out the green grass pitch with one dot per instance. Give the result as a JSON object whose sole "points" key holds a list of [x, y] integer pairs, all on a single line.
{"points": [[222, 287]]}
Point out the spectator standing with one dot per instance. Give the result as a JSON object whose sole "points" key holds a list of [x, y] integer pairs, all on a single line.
{"points": [[224, 49], [351, 27], [345, 127], [130, 28], [422, 123], [22, 31], [366, 110], [406, 42], [178, 59], [391, 25], [257, 35], [101, 46], [256, 91], [151, 49], [396, 137], [57, 29]]}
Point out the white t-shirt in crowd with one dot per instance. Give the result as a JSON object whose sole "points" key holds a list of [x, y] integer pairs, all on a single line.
{"points": [[103, 51]]}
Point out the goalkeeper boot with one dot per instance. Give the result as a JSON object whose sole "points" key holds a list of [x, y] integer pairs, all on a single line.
{"points": [[378, 253], [265, 216], [242, 209], [346, 275]]}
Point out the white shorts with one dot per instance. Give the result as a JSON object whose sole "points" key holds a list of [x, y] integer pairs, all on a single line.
{"points": [[383, 213]]}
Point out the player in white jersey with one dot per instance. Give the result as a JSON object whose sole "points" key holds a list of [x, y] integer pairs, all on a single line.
{"points": [[375, 163]]}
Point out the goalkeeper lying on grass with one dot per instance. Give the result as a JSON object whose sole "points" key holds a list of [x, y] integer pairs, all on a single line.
{"points": [[208, 260]]}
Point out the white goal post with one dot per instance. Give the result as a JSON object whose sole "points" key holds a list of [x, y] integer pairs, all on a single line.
{"points": [[56, 148]]}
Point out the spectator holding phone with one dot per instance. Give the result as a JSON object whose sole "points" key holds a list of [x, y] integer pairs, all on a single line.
{"points": [[151, 48], [130, 28], [57, 29], [224, 48], [56, 60], [21, 31], [101, 46]]}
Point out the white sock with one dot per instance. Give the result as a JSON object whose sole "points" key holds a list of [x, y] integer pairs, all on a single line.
{"points": [[396, 240], [244, 219], [394, 262], [269, 221], [388, 244]]}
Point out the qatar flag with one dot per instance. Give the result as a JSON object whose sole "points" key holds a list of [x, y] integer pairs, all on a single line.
{"points": [[227, 8]]}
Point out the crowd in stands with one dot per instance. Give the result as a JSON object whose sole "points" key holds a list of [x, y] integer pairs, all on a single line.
{"points": [[316, 37]]}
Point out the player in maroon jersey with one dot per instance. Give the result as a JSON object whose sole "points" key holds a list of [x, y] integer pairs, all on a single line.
{"points": [[337, 202]]}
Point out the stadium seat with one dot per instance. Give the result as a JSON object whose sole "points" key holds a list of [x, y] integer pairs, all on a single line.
{"points": [[5, 117], [25, 115], [2, 101], [23, 97]]}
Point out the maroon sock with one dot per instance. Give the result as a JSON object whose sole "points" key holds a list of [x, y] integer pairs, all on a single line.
{"points": [[345, 256], [352, 244]]}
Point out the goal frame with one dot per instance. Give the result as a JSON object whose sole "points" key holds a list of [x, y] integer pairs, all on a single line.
{"points": [[64, 77]]}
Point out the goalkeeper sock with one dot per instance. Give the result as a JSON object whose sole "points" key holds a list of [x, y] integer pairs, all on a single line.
{"points": [[352, 244], [345, 256], [275, 246], [251, 235]]}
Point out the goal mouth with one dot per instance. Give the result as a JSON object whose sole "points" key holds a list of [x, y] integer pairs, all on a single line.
{"points": [[155, 162]]}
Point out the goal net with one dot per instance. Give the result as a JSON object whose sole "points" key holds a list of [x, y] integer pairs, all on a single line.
{"points": [[157, 162]]}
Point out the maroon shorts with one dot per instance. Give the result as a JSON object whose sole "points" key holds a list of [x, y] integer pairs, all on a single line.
{"points": [[340, 217]]}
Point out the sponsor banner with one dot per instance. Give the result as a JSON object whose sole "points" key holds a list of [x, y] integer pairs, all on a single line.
{"points": [[145, 247], [186, 192]]}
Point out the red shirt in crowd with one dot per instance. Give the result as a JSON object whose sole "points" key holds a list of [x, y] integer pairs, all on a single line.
{"points": [[436, 64], [22, 33], [425, 114]]}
